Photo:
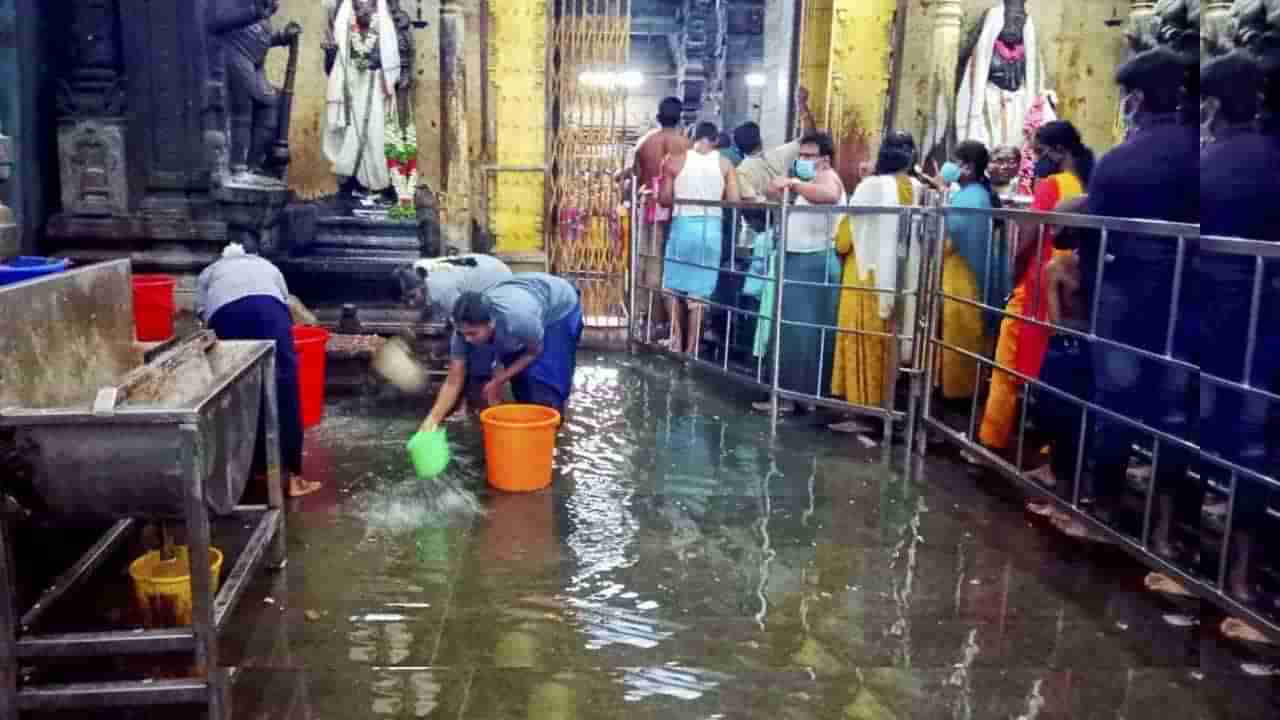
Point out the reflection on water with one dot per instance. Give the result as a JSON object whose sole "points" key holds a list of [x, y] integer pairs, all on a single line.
{"points": [[685, 565]]}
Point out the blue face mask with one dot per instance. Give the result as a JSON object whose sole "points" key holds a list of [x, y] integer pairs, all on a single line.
{"points": [[950, 173], [1047, 166], [806, 170]]}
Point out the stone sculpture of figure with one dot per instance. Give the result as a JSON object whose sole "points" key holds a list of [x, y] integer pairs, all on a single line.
{"points": [[247, 37], [1002, 74], [363, 61]]}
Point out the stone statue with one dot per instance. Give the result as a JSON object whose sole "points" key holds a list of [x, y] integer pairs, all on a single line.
{"points": [[256, 107], [1002, 93], [1002, 73], [367, 74]]}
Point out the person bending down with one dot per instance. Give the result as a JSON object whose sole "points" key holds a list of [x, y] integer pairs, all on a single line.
{"points": [[533, 323], [244, 297]]}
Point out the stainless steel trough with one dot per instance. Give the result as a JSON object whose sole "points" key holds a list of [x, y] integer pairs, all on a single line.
{"points": [[96, 431], [125, 460]]}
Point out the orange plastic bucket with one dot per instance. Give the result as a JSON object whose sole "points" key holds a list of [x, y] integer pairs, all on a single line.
{"points": [[519, 446], [309, 343], [153, 307]]}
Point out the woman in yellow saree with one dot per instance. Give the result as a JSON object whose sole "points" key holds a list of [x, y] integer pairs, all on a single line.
{"points": [[868, 244]]}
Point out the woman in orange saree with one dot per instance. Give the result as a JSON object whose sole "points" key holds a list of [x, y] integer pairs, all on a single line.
{"points": [[1068, 164]]}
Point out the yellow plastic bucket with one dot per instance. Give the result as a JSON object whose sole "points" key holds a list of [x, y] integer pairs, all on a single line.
{"points": [[162, 590]]}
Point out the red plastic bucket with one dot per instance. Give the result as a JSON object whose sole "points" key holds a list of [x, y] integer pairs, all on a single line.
{"points": [[309, 343], [153, 307]]}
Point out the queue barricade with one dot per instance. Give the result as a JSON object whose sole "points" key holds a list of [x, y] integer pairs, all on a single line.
{"points": [[1168, 352]]}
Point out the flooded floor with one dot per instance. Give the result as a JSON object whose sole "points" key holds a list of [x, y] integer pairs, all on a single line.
{"points": [[686, 567]]}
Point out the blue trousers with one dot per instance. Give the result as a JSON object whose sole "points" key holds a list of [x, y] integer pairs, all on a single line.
{"points": [[1135, 299], [549, 380], [262, 317]]}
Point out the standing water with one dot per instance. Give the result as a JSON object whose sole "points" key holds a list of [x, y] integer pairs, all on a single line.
{"points": [[684, 565]]}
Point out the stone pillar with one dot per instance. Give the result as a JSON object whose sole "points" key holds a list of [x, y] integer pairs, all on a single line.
{"points": [[816, 44], [861, 65], [945, 17], [517, 96], [455, 137], [1141, 32], [776, 95], [1217, 29]]}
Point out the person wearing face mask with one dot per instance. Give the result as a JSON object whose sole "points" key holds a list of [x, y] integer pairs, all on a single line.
{"points": [[972, 268], [810, 258], [1022, 345]]}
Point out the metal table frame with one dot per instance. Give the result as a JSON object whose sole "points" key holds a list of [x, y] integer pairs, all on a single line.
{"points": [[210, 611]]}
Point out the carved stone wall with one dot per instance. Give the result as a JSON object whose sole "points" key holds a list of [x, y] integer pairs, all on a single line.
{"points": [[91, 156]]}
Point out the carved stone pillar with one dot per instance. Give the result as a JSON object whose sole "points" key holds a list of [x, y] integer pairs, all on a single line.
{"points": [[945, 17], [1142, 25], [92, 128], [455, 141], [1217, 29]]}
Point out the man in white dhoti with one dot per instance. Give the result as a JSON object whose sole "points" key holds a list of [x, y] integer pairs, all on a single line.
{"points": [[364, 69], [1002, 78]]}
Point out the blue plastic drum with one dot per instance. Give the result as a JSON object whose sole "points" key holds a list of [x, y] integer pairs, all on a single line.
{"points": [[25, 267]]}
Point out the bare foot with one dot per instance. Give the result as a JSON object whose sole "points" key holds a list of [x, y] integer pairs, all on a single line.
{"points": [[300, 486], [1073, 528], [1043, 508], [1237, 629], [1043, 475], [1165, 585]]}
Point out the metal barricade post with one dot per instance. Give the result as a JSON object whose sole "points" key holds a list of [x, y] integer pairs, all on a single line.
{"points": [[779, 284]]}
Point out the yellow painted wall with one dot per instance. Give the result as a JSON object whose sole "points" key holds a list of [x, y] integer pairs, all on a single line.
{"points": [[1081, 54], [310, 174], [815, 56], [517, 100], [861, 65], [846, 53]]}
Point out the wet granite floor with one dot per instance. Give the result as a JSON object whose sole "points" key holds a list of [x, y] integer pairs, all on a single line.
{"points": [[684, 566]]}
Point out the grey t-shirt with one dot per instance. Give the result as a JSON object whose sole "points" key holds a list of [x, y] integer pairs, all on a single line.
{"points": [[523, 307], [446, 281], [233, 278]]}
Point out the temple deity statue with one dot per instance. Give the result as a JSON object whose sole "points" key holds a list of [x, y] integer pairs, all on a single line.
{"points": [[247, 35], [1002, 82], [363, 61]]}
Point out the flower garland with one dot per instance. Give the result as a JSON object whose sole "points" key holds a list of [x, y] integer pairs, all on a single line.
{"points": [[402, 153], [364, 43]]}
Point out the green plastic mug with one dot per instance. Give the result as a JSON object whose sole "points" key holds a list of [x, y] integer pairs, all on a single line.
{"points": [[429, 452]]}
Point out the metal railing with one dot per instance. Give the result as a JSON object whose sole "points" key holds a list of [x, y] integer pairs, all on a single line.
{"points": [[1137, 325]]}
